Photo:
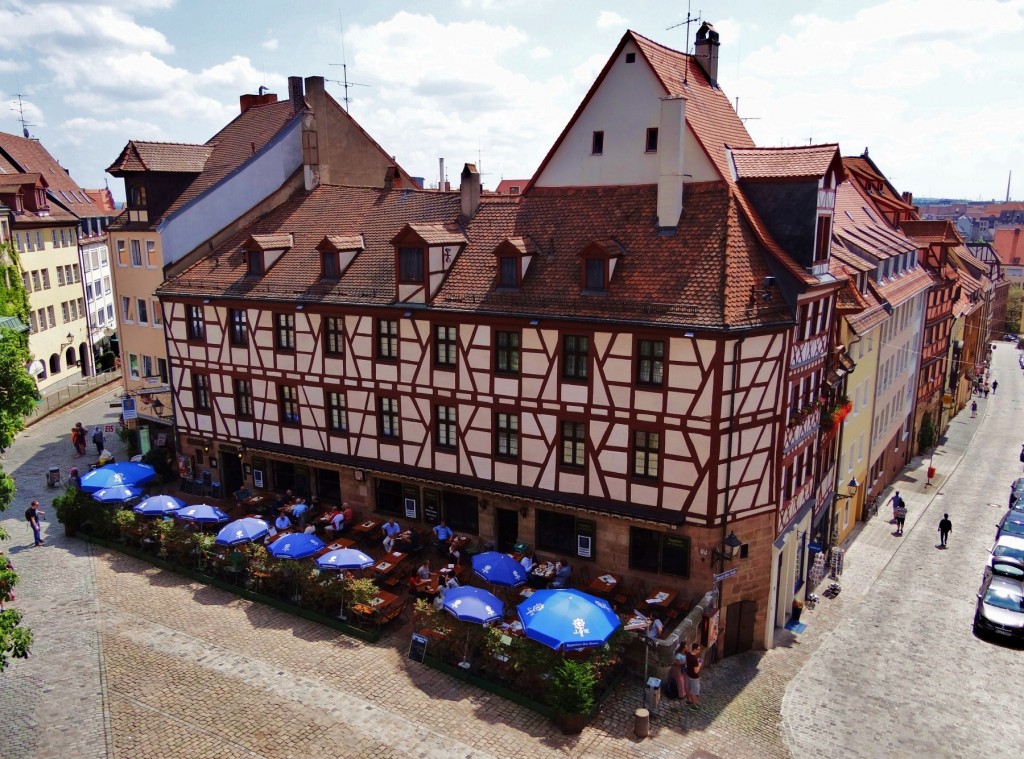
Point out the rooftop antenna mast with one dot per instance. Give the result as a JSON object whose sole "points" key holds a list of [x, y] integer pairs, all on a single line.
{"points": [[344, 82], [20, 110], [690, 19]]}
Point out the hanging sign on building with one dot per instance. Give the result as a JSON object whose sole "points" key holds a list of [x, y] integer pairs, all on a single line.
{"points": [[128, 410], [725, 575]]}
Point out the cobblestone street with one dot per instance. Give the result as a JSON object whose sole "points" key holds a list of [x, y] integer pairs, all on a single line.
{"points": [[131, 661]]}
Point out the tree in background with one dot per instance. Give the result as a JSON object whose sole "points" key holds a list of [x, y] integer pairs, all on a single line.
{"points": [[18, 392], [1013, 310]]}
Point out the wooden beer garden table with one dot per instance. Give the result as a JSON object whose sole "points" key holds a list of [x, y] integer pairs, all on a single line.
{"points": [[367, 526], [335, 544], [604, 585], [660, 598], [389, 563], [377, 604]]}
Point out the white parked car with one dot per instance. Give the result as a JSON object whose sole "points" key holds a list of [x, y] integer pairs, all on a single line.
{"points": [[1006, 547]]}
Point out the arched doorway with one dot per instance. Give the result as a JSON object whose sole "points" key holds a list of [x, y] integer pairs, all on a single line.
{"points": [[69, 358], [86, 357], [54, 364]]}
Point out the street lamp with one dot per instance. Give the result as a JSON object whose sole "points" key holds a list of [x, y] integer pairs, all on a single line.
{"points": [[833, 532], [158, 406], [68, 340], [728, 550]]}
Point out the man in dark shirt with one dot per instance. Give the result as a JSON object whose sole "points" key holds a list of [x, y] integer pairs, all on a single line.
{"points": [[945, 527], [694, 663], [32, 514]]}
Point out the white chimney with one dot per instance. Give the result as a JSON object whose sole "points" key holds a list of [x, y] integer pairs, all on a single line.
{"points": [[440, 173], [671, 132]]}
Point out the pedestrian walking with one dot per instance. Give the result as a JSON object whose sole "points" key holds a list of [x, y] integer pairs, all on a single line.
{"points": [[974, 409], [945, 527], [895, 501], [901, 517], [986, 389], [995, 384], [32, 515], [97, 440], [78, 436]]}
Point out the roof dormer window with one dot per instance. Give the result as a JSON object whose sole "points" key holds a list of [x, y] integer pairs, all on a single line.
{"points": [[330, 264], [508, 271], [410, 265], [598, 261], [513, 256], [254, 263], [137, 196], [263, 251]]}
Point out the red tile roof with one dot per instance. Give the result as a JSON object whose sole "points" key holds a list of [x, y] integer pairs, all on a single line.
{"points": [[1008, 246], [702, 276], [866, 172], [928, 232], [165, 157], [28, 156], [786, 163], [857, 225]]}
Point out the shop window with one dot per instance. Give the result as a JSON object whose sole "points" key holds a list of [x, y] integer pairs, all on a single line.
{"points": [[388, 497], [564, 534], [652, 551]]}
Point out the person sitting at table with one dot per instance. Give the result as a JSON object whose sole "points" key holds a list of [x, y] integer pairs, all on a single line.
{"points": [[443, 533], [451, 582], [336, 523], [299, 511], [527, 562], [655, 627], [282, 522], [423, 573], [562, 574], [412, 542], [454, 556], [390, 530], [349, 515]]}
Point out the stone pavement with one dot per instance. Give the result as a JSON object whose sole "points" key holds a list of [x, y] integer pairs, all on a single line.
{"points": [[132, 661]]}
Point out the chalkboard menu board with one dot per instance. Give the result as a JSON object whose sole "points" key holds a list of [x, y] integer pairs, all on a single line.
{"points": [[418, 647], [431, 506]]}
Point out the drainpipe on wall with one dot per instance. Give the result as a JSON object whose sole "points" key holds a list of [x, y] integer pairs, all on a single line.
{"points": [[737, 347]]}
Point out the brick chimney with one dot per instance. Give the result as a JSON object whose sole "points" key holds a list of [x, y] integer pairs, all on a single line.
{"points": [[316, 96], [470, 190], [705, 50], [671, 163], [295, 93], [246, 102]]}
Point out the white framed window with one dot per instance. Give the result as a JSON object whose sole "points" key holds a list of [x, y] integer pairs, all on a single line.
{"points": [[136, 254], [142, 311], [133, 366], [157, 321], [126, 309]]}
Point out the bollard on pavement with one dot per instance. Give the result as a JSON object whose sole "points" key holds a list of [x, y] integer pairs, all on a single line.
{"points": [[642, 723]]}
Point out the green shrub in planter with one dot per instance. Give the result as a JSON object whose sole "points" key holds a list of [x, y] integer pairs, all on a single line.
{"points": [[72, 508], [571, 694]]}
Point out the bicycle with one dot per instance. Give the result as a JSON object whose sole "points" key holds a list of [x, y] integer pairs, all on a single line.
{"points": [[873, 506]]}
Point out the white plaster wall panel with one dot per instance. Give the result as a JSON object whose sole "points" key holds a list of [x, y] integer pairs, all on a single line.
{"points": [[644, 495], [673, 499], [479, 441], [392, 453], [285, 362], [481, 466], [548, 476], [291, 436], [618, 369], [618, 437], [614, 460], [530, 475], [435, 280], [386, 372], [246, 429], [411, 293], [305, 342], [508, 473], [366, 446], [444, 380], [232, 196], [645, 400], [678, 404], [446, 462], [616, 487], [572, 393], [700, 503], [334, 367], [600, 393], [626, 104], [214, 333], [316, 396], [571, 483]]}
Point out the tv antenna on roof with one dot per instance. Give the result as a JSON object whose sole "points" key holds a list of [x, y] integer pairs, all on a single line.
{"points": [[20, 110], [344, 82], [690, 19]]}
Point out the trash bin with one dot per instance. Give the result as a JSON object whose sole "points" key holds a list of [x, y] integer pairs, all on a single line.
{"points": [[641, 723], [53, 476], [652, 696]]}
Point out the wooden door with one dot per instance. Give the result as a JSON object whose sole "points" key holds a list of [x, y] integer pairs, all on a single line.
{"points": [[739, 627], [506, 528]]}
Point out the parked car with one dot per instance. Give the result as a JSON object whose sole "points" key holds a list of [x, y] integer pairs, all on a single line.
{"points": [[1016, 490], [1006, 547], [1012, 523], [1000, 607]]}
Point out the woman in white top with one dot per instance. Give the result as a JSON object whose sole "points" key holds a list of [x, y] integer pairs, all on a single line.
{"points": [[527, 562]]}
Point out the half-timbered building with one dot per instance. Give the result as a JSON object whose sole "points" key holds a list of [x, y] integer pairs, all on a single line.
{"points": [[603, 366]]}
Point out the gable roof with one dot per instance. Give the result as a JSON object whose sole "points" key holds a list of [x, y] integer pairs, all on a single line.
{"points": [[170, 157], [812, 161], [928, 232], [28, 157], [1006, 244], [702, 277]]}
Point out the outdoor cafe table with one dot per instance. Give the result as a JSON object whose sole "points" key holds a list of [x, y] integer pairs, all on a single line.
{"points": [[335, 545], [256, 502], [433, 585], [604, 585], [367, 527], [458, 542], [377, 604], [389, 563], [660, 598], [541, 575], [278, 536]]}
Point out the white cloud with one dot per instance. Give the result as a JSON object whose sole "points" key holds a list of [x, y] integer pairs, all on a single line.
{"points": [[540, 53], [269, 44], [610, 20], [6, 65], [88, 26]]}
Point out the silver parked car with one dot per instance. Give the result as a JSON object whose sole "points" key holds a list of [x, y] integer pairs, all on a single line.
{"points": [[1000, 607]]}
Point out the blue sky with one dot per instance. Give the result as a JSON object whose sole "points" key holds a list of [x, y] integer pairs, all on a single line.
{"points": [[931, 87]]}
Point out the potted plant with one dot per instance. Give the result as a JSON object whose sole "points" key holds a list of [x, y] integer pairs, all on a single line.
{"points": [[126, 522], [798, 609], [70, 508], [571, 694]]}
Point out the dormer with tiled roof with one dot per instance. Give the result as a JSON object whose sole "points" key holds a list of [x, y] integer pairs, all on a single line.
{"points": [[513, 256], [263, 251], [793, 191], [424, 254], [337, 252], [597, 265]]}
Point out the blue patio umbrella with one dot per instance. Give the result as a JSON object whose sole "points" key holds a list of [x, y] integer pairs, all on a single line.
{"points": [[202, 513], [299, 545], [117, 494], [159, 506], [499, 569], [567, 619], [469, 604], [241, 531], [344, 558], [124, 473]]}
